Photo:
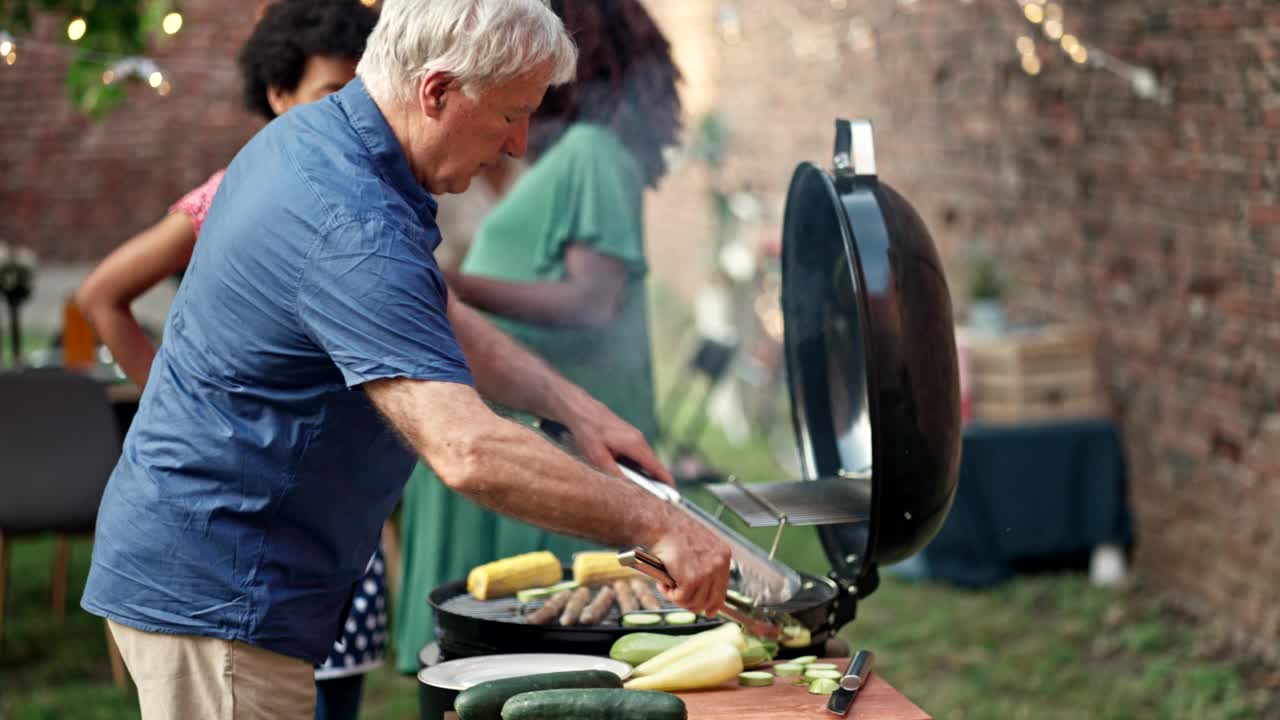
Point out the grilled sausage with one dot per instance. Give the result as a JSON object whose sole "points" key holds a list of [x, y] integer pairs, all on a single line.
{"points": [[644, 593], [549, 610], [626, 597], [599, 607], [577, 603]]}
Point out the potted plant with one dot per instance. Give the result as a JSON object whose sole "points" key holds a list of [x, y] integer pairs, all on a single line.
{"points": [[986, 294]]}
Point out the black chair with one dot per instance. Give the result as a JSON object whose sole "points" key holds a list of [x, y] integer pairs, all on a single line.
{"points": [[59, 441]]}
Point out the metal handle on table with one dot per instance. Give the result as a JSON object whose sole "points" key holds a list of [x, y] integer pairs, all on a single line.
{"points": [[652, 565], [859, 668]]}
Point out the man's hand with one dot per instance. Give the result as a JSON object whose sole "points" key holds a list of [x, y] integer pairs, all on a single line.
{"points": [[698, 560], [602, 436]]}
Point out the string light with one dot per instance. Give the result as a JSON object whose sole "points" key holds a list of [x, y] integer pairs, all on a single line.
{"points": [[6, 43], [1034, 12], [1080, 54], [77, 28], [11, 58], [1053, 29], [164, 88], [1031, 64], [1025, 45], [1069, 44], [172, 23]]}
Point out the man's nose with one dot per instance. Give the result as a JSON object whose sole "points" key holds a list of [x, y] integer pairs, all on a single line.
{"points": [[518, 141]]}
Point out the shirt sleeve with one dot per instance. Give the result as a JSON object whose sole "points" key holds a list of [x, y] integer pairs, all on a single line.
{"points": [[375, 301], [195, 204], [604, 195]]}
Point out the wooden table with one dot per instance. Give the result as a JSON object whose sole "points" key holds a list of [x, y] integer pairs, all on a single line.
{"points": [[877, 701]]}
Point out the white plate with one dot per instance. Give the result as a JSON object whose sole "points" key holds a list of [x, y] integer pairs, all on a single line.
{"points": [[462, 674]]}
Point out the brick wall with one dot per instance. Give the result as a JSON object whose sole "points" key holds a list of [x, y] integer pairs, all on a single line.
{"points": [[73, 188], [1160, 220]]}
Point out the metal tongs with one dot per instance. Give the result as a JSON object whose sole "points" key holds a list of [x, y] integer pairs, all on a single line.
{"points": [[757, 621]]}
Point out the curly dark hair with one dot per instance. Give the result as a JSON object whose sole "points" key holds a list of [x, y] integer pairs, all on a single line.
{"points": [[292, 31], [626, 81]]}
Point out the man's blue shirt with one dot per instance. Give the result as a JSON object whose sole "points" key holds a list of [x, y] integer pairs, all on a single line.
{"points": [[257, 474]]}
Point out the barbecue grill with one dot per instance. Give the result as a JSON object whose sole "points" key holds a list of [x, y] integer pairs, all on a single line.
{"points": [[873, 380]]}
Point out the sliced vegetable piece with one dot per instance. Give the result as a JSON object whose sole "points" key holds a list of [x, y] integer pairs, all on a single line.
{"points": [[755, 679], [788, 670], [820, 666], [681, 617], [823, 686], [641, 619], [756, 653], [804, 660], [823, 674], [544, 592], [796, 636]]}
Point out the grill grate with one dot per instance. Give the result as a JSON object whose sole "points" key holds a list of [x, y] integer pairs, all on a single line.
{"points": [[512, 610], [826, 501]]}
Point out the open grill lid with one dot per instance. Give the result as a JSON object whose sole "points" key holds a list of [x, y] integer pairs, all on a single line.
{"points": [[871, 358]]}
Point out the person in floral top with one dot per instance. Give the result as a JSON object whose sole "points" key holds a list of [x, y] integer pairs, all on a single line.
{"points": [[300, 51]]}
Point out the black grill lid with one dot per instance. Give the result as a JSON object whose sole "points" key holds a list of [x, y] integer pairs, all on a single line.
{"points": [[871, 356]]}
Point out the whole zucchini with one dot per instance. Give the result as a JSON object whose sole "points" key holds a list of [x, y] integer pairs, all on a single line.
{"points": [[639, 647], [595, 705], [484, 701]]}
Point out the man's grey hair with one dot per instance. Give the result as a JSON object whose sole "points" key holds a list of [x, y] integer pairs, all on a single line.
{"points": [[478, 42]]}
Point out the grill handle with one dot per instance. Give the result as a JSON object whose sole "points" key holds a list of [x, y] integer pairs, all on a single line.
{"points": [[649, 564]]}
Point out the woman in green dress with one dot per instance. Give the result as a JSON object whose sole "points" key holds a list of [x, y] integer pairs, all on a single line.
{"points": [[560, 265]]}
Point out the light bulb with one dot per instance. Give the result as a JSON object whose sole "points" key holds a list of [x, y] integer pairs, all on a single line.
{"points": [[172, 23], [6, 47], [155, 79], [76, 28]]}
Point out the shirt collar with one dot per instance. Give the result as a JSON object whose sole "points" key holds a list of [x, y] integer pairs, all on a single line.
{"points": [[388, 156]]}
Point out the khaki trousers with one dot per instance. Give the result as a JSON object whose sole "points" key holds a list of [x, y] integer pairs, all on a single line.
{"points": [[184, 677]]}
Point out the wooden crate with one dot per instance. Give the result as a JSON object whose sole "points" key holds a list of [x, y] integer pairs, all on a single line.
{"points": [[1043, 374]]}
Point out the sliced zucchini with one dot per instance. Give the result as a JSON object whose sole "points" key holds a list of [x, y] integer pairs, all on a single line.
{"points": [[822, 674], [755, 679], [681, 617], [820, 666], [823, 686], [804, 660], [641, 619], [543, 593], [788, 670]]}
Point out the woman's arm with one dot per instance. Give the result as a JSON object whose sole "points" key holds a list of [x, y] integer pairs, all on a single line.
{"points": [[589, 296], [132, 269]]}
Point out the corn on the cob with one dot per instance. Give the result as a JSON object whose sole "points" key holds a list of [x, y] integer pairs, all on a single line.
{"points": [[509, 575], [593, 568]]}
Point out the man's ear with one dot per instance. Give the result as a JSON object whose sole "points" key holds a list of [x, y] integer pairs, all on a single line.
{"points": [[432, 92], [279, 99]]}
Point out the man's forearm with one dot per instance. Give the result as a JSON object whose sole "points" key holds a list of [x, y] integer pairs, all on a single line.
{"points": [[505, 371]]}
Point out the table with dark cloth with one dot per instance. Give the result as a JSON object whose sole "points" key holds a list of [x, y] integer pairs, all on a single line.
{"points": [[1032, 495]]}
